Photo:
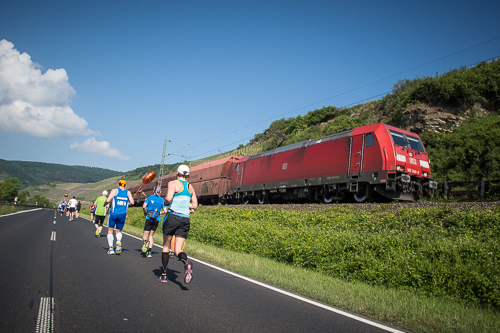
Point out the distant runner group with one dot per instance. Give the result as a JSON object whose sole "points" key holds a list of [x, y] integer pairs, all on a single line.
{"points": [[71, 208], [179, 202]]}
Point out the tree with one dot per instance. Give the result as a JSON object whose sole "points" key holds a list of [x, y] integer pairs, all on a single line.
{"points": [[23, 197], [40, 201], [9, 189]]}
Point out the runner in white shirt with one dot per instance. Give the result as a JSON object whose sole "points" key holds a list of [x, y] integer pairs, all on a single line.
{"points": [[72, 207]]}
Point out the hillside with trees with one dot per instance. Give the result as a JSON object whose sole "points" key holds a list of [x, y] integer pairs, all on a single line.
{"points": [[39, 173]]}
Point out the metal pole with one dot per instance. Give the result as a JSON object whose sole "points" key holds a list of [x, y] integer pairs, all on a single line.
{"points": [[163, 162]]}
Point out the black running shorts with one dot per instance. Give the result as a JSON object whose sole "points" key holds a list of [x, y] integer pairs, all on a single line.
{"points": [[99, 220], [151, 224], [176, 225]]}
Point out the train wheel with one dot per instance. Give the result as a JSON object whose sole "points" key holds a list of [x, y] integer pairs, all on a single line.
{"points": [[263, 200], [362, 193], [245, 200], [328, 198]]}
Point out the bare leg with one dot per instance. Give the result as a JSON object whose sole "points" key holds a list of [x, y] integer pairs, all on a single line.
{"points": [[166, 243], [179, 244]]}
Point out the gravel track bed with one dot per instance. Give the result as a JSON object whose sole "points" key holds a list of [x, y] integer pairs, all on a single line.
{"points": [[393, 206]]}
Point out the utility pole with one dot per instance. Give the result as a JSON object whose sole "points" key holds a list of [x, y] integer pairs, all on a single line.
{"points": [[163, 161]]}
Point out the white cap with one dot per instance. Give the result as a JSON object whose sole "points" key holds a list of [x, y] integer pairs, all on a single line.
{"points": [[104, 192], [183, 170]]}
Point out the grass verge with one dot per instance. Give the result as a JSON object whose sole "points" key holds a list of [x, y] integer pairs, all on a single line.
{"points": [[389, 306]]}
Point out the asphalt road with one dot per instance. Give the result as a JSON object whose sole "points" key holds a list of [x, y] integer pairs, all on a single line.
{"points": [[57, 277]]}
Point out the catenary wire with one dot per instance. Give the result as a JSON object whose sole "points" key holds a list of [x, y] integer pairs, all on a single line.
{"points": [[334, 96]]}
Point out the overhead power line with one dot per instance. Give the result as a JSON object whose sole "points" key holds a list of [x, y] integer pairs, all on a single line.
{"points": [[334, 96]]}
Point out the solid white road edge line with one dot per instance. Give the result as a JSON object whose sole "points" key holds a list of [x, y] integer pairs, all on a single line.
{"points": [[284, 292]]}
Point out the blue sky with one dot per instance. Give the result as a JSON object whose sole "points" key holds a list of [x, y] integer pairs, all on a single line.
{"points": [[104, 83]]}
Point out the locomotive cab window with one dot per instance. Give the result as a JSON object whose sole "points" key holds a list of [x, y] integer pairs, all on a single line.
{"points": [[415, 143], [398, 139], [369, 140], [407, 141]]}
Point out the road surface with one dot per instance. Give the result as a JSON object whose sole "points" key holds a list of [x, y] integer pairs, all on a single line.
{"points": [[57, 277]]}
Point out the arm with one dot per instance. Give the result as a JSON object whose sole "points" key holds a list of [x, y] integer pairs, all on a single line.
{"points": [[110, 197], [130, 198], [171, 190], [194, 200], [144, 206]]}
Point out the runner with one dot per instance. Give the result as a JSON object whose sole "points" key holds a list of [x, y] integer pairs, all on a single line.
{"points": [[100, 212], [183, 201], [92, 213], [72, 208], [78, 208], [120, 198], [62, 205], [153, 207]]}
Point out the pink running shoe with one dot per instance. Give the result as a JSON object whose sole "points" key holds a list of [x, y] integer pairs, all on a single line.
{"points": [[189, 272]]}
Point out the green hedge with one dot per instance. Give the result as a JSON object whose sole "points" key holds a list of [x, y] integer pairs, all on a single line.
{"points": [[436, 251]]}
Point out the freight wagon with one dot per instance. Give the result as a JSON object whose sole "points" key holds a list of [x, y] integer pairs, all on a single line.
{"points": [[210, 180]]}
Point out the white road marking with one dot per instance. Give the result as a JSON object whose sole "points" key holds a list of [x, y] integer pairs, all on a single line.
{"points": [[45, 320], [284, 292], [53, 236]]}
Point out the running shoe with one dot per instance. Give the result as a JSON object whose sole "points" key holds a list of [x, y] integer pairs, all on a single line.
{"points": [[189, 272], [111, 251], [171, 254], [97, 234], [148, 254], [163, 278], [145, 246], [118, 247]]}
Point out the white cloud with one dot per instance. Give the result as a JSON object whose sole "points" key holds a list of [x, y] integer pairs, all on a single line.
{"points": [[99, 147], [36, 103]]}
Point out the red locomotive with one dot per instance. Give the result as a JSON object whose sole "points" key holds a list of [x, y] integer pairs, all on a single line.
{"points": [[365, 163]]}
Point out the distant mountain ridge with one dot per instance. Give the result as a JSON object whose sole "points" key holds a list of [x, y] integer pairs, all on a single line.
{"points": [[40, 173]]}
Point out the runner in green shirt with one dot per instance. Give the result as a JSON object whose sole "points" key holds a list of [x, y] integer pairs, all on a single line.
{"points": [[100, 212]]}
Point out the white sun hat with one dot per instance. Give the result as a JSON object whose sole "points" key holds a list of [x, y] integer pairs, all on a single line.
{"points": [[183, 170]]}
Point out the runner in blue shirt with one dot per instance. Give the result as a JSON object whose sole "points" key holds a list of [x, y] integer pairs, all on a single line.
{"points": [[62, 206], [120, 198], [153, 207]]}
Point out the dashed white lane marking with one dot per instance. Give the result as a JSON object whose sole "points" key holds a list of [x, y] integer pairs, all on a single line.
{"points": [[54, 221], [53, 237], [45, 320]]}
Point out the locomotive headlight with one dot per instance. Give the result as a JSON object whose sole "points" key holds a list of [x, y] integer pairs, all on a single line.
{"points": [[425, 174], [401, 158], [424, 164], [400, 168]]}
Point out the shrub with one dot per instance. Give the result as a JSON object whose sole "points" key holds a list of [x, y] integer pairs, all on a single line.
{"points": [[436, 251]]}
